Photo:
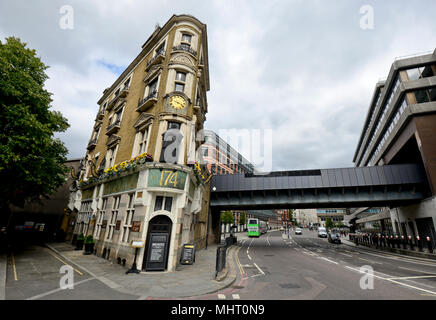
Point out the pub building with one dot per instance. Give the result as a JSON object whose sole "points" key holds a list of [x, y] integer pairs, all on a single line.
{"points": [[140, 182]]}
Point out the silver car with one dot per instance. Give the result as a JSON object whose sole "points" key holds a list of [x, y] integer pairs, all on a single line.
{"points": [[298, 231]]}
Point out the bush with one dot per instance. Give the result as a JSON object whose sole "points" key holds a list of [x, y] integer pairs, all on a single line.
{"points": [[89, 239], [81, 237]]}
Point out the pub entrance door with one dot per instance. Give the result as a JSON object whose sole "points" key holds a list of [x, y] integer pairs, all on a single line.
{"points": [[158, 243]]}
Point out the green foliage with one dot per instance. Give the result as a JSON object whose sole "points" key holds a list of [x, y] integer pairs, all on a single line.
{"points": [[227, 217], [242, 218], [89, 239], [329, 223], [31, 159], [81, 237]]}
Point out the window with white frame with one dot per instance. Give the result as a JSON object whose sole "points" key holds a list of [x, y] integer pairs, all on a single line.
{"points": [[180, 81], [186, 40], [127, 224], [111, 153], [100, 218], [113, 220], [141, 140]]}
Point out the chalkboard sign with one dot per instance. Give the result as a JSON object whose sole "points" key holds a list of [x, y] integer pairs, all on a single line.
{"points": [[188, 254], [157, 252]]}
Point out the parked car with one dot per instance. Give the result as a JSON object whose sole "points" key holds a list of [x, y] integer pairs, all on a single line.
{"points": [[322, 232], [298, 231], [282, 229], [334, 237]]}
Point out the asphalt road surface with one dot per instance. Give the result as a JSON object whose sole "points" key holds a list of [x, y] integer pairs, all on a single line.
{"points": [[307, 267], [34, 273]]}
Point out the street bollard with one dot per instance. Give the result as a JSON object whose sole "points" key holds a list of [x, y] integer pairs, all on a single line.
{"points": [[411, 243], [404, 242], [429, 245], [397, 240], [220, 259], [418, 240]]}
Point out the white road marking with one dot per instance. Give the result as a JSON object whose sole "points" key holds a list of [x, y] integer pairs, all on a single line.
{"points": [[236, 296], [400, 259], [260, 270], [415, 270], [56, 290], [248, 256], [328, 260], [394, 281], [267, 240], [413, 277], [221, 296]]}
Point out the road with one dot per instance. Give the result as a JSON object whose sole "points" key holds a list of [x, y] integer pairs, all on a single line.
{"points": [[271, 267], [33, 273], [308, 267]]}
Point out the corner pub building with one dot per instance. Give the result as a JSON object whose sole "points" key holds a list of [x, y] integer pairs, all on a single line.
{"points": [[128, 191]]}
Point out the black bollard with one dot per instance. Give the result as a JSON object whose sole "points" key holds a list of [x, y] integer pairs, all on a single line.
{"points": [[397, 240], [411, 243], [404, 242], [418, 240], [429, 245]]}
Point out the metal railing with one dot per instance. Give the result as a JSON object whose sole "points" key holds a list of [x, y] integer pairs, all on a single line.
{"points": [[150, 96], [182, 47], [113, 125], [394, 241], [158, 54]]}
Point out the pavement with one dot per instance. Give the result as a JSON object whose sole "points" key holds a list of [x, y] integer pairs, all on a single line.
{"points": [[187, 281], [3, 268]]}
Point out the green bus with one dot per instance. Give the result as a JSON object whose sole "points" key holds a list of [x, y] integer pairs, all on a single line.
{"points": [[256, 227]]}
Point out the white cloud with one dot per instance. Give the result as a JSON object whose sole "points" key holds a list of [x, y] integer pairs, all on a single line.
{"points": [[302, 68]]}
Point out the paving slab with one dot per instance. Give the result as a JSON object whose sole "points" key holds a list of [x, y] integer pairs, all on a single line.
{"points": [[187, 281]]}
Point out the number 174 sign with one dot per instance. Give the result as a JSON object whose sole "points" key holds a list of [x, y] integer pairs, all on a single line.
{"points": [[167, 179]]}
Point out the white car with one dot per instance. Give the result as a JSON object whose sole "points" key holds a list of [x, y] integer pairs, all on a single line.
{"points": [[298, 231], [322, 232]]}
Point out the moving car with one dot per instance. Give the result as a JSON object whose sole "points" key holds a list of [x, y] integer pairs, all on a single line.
{"points": [[298, 231], [322, 232], [282, 229], [334, 237]]}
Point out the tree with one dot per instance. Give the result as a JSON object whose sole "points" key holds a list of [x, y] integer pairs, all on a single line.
{"points": [[31, 159], [227, 218], [329, 223]]}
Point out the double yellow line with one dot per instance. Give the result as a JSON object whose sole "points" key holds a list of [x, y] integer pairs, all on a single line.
{"points": [[241, 269], [65, 263], [14, 266]]}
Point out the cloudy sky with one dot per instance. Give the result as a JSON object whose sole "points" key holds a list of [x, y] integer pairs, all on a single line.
{"points": [[305, 69]]}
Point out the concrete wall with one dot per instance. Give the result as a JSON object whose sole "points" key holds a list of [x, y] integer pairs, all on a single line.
{"points": [[425, 209]]}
